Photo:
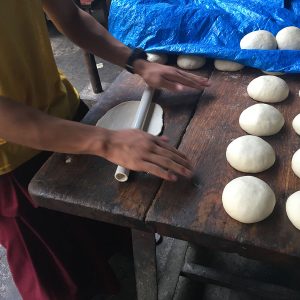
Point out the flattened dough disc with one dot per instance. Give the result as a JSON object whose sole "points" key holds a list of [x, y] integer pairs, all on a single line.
{"points": [[122, 117]]}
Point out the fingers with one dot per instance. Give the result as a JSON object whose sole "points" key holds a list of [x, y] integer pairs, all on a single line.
{"points": [[177, 82], [172, 164], [164, 139], [140, 151], [187, 79], [166, 146], [168, 161], [171, 85], [175, 156], [192, 79], [171, 78], [159, 172]]}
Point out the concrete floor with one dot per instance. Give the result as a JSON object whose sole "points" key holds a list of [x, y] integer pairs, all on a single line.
{"points": [[69, 58]]}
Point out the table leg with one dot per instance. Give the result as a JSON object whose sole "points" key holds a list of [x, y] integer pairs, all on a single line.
{"points": [[91, 62], [144, 254], [93, 72]]}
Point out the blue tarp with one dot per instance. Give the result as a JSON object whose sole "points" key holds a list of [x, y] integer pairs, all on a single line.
{"points": [[212, 28]]}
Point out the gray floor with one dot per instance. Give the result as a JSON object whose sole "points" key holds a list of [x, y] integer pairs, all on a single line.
{"points": [[69, 58]]}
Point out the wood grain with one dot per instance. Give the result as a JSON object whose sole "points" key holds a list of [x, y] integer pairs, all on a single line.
{"points": [[196, 214], [86, 186]]}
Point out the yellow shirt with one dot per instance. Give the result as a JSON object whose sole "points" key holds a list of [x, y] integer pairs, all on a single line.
{"points": [[28, 73]]}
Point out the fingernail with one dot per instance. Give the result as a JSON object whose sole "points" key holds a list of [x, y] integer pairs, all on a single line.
{"points": [[165, 138], [173, 177]]}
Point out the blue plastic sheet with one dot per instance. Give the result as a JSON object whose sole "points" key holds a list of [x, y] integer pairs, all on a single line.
{"points": [[212, 28]]}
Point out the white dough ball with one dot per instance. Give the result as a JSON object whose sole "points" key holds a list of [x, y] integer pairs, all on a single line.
{"points": [[296, 124], [227, 65], [248, 199], [159, 58], [250, 154], [296, 163], [261, 120], [292, 207], [288, 38], [273, 73], [260, 39], [268, 88], [190, 62]]}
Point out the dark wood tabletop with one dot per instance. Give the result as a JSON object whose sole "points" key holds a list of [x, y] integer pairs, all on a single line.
{"points": [[195, 212], [86, 186]]}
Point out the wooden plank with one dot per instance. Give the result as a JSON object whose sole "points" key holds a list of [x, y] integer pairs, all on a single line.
{"points": [[251, 286], [86, 186], [144, 254], [195, 213], [170, 276]]}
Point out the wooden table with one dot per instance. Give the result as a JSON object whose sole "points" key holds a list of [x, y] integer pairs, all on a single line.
{"points": [[203, 126], [195, 213], [86, 187]]}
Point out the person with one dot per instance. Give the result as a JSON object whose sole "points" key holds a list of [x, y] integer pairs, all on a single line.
{"points": [[53, 255]]}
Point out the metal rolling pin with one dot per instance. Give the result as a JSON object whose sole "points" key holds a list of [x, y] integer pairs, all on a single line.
{"points": [[138, 123]]}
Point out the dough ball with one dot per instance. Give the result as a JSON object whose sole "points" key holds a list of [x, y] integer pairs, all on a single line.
{"points": [[122, 117], [250, 154], [226, 65], [288, 38], [190, 62], [268, 88], [248, 199], [273, 73], [296, 124], [159, 58], [261, 119], [296, 163], [292, 207], [260, 39]]}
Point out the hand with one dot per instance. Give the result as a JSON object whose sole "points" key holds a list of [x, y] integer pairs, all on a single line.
{"points": [[161, 76], [139, 151]]}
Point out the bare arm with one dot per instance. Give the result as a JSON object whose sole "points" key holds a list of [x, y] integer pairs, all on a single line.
{"points": [[30, 127], [133, 149], [87, 33]]}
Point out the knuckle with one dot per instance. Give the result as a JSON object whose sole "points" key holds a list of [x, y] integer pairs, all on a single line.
{"points": [[167, 162], [150, 145]]}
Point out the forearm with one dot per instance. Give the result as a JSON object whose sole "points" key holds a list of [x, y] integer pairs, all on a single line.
{"points": [[88, 34], [30, 127]]}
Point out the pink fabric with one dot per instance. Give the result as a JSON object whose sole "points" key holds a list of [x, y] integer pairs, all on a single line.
{"points": [[9, 204], [11, 237], [54, 256]]}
